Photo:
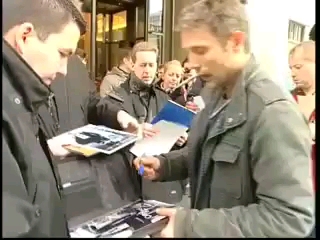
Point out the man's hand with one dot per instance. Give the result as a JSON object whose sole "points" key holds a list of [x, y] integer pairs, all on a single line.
{"points": [[148, 131], [57, 147], [182, 140], [168, 231], [127, 122], [192, 106], [151, 166]]}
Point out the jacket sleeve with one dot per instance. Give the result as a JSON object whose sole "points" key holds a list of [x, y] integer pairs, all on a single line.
{"points": [[173, 165], [107, 112], [105, 87], [18, 211], [101, 111], [281, 168]]}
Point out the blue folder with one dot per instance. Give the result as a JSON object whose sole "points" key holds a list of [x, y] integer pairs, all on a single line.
{"points": [[173, 112]]}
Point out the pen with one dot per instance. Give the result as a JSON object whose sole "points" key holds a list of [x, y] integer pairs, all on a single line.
{"points": [[141, 172]]}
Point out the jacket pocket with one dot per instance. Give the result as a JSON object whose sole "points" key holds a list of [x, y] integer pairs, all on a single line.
{"points": [[33, 193], [226, 178]]}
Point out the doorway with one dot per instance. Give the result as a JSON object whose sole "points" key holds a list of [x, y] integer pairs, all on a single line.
{"points": [[120, 24], [117, 28]]}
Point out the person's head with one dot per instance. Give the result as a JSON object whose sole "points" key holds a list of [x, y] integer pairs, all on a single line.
{"points": [[144, 58], [189, 69], [82, 55], [215, 34], [125, 60], [43, 32], [185, 63], [173, 72], [302, 65], [160, 71]]}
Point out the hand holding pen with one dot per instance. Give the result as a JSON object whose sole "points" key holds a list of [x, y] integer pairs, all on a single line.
{"points": [[148, 167]]}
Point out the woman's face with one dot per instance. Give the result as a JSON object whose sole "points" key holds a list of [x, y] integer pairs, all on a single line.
{"points": [[172, 77]]}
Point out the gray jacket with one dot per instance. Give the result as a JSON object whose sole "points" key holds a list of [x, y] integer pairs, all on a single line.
{"points": [[259, 160], [112, 81]]}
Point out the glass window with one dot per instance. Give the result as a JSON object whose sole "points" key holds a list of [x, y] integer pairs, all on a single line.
{"points": [[155, 25], [157, 39], [119, 26], [155, 16], [140, 14]]}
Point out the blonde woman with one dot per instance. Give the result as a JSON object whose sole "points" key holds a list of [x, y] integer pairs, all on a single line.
{"points": [[172, 76]]}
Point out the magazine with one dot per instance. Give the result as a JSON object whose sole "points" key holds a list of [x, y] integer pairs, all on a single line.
{"points": [[138, 219], [91, 139]]}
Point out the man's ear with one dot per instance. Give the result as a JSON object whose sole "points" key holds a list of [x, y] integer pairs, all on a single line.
{"points": [[238, 40], [22, 35]]}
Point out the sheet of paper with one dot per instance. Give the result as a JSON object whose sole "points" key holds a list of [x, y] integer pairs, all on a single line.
{"points": [[199, 101], [168, 134]]}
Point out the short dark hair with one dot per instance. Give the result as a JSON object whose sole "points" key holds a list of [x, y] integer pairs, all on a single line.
{"points": [[47, 16], [161, 66], [124, 54], [222, 17], [186, 60], [81, 53]]}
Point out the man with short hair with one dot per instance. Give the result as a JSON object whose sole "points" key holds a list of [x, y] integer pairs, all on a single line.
{"points": [[248, 153], [143, 100], [118, 74], [39, 37]]}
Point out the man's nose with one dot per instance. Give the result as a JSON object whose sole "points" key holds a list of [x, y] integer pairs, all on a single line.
{"points": [[147, 69], [193, 60], [174, 78]]}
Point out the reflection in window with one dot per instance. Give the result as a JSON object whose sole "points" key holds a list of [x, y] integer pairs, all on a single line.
{"points": [[155, 16], [100, 22], [119, 26], [157, 40]]}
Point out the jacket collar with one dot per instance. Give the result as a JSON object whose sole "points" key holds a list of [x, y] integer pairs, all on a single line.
{"points": [[139, 87], [24, 78], [236, 112]]}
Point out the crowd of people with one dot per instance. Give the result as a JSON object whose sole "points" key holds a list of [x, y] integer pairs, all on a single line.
{"points": [[245, 161]]}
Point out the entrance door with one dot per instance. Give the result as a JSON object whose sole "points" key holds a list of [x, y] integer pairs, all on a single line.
{"points": [[116, 31], [117, 22]]}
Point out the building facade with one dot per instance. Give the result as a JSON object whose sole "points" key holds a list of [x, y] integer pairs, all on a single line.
{"points": [[275, 26]]}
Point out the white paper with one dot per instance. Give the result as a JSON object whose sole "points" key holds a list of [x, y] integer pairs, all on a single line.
{"points": [[81, 233], [168, 135], [198, 100], [97, 138]]}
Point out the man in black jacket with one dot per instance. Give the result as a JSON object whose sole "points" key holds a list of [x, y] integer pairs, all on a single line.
{"points": [[143, 100], [76, 104], [39, 36]]}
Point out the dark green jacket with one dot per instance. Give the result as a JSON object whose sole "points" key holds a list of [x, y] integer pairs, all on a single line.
{"points": [[260, 161]]}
